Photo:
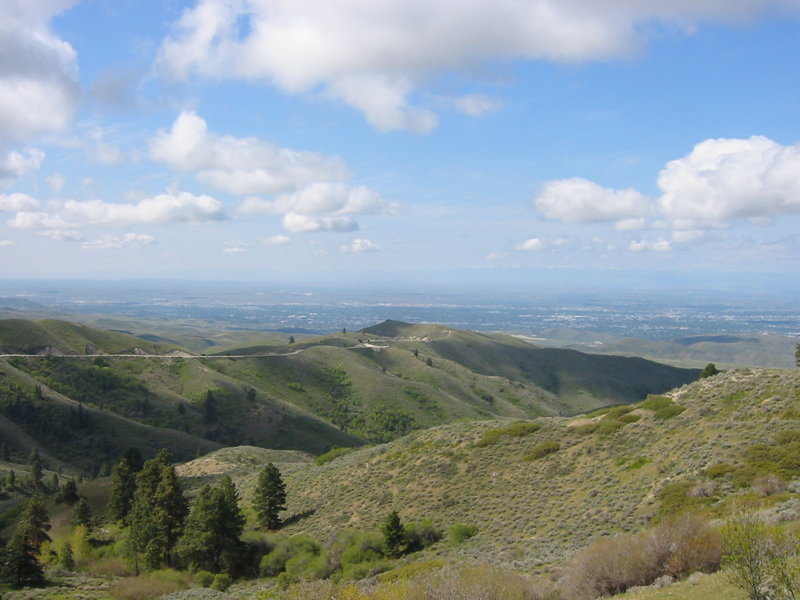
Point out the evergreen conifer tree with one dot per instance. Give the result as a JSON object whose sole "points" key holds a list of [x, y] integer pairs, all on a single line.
{"points": [[210, 539], [270, 497], [81, 514], [69, 492], [123, 486], [157, 512], [19, 562], [393, 535]]}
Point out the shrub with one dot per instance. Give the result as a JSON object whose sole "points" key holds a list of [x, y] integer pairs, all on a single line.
{"points": [[204, 578], [719, 470], [544, 448], [611, 566], [331, 454], [460, 532], [518, 429], [421, 535], [221, 582], [276, 561], [295, 386]]}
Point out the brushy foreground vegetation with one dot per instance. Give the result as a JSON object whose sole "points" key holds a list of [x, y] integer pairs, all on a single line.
{"points": [[614, 501]]}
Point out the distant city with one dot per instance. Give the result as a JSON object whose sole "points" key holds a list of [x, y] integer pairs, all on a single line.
{"points": [[308, 309]]}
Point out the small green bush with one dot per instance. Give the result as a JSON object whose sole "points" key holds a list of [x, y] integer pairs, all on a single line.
{"points": [[331, 454], [295, 386], [544, 448], [719, 470], [222, 581], [637, 463], [460, 532], [204, 578], [654, 403], [519, 429], [421, 535]]}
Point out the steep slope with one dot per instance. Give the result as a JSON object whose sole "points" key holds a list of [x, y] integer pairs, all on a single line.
{"points": [[61, 337], [578, 381], [534, 503]]}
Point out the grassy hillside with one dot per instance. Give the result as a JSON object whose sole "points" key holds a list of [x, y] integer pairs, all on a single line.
{"points": [[537, 491], [534, 503], [312, 394]]}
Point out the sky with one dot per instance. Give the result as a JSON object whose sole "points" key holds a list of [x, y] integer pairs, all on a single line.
{"points": [[481, 141]]}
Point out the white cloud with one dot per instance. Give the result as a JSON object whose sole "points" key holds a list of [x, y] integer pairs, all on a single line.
{"points": [[630, 224], [722, 180], [38, 71], [657, 246], [61, 235], [688, 236], [308, 224], [178, 207], [359, 246], [234, 250], [7, 243], [14, 165], [718, 182], [240, 165], [17, 201], [578, 200], [276, 240], [129, 240], [532, 244], [375, 55], [56, 182], [321, 198], [475, 105]]}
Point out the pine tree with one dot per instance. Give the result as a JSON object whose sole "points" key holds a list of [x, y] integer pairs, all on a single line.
{"points": [[19, 563], [123, 487], [210, 539], [81, 514], [393, 535], [69, 492], [157, 512], [35, 463], [270, 498]]}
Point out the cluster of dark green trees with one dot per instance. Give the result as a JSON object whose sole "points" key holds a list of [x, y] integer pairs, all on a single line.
{"points": [[164, 530]]}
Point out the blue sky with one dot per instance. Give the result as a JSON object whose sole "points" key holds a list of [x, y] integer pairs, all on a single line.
{"points": [[491, 140]]}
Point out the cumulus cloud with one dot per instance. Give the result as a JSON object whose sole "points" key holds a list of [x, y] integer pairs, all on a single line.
{"points": [[61, 235], [531, 245], [633, 224], [359, 246], [308, 224], [240, 165], [375, 55], [129, 240], [38, 71], [718, 182], [276, 240], [17, 201], [179, 207], [475, 105], [14, 165], [578, 200], [643, 246], [726, 179], [321, 198]]}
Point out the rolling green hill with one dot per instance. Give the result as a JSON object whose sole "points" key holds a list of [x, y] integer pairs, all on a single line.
{"points": [[535, 502], [338, 390]]}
